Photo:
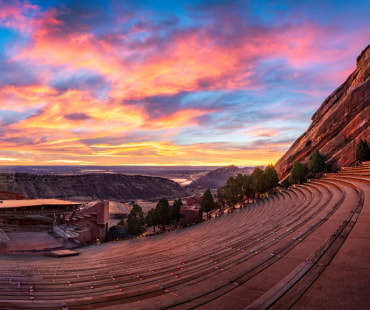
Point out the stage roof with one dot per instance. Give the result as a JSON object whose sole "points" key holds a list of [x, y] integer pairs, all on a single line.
{"points": [[36, 206]]}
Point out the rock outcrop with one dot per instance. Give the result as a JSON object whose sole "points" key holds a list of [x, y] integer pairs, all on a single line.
{"points": [[338, 125], [91, 186], [5, 195]]}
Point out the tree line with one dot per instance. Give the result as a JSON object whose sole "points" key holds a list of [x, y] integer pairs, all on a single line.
{"points": [[236, 189], [247, 186], [316, 163], [163, 214]]}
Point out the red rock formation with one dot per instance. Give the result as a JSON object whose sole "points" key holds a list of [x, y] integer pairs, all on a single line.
{"points": [[338, 125], [5, 195]]}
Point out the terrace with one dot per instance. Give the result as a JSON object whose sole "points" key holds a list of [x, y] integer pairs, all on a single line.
{"points": [[303, 248]]}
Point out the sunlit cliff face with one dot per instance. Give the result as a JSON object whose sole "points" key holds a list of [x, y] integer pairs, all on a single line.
{"points": [[164, 83]]}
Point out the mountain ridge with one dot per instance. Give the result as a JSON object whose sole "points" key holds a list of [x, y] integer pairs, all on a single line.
{"points": [[217, 178], [90, 186]]}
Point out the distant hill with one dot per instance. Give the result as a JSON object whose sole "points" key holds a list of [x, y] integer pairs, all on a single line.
{"points": [[90, 186], [217, 178], [338, 125]]}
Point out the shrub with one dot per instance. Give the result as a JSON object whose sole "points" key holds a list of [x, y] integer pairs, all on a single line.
{"points": [[362, 151], [297, 174], [207, 204], [316, 162], [271, 177], [135, 220]]}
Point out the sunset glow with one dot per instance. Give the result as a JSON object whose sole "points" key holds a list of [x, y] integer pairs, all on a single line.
{"points": [[168, 82]]}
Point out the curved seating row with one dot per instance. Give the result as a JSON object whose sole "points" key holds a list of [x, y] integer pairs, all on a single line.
{"points": [[267, 254]]}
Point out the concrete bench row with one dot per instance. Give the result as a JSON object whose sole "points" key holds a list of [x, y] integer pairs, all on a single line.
{"points": [[204, 264]]}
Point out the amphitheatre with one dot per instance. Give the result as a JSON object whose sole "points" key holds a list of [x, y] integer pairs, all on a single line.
{"points": [[306, 247]]}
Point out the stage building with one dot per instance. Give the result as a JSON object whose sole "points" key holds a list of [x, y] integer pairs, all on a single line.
{"points": [[71, 221]]}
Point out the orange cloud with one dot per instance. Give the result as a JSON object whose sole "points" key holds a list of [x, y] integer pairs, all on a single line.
{"points": [[177, 119], [190, 61], [45, 146], [167, 153], [101, 116], [59, 121], [20, 97], [262, 132]]}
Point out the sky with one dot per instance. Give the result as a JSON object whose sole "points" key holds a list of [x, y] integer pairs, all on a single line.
{"points": [[168, 82]]}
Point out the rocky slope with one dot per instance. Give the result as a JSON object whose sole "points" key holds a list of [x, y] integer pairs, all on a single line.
{"points": [[217, 178], [5, 195], [90, 186], [338, 125]]}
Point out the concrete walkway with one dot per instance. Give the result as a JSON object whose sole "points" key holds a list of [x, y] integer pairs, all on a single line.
{"points": [[345, 283]]}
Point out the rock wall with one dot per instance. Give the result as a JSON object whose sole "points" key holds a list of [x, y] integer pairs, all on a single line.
{"points": [[338, 125]]}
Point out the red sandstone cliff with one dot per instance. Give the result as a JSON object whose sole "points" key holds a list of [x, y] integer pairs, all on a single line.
{"points": [[5, 195], [338, 125]]}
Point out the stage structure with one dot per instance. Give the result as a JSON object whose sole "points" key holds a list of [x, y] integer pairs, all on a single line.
{"points": [[72, 221]]}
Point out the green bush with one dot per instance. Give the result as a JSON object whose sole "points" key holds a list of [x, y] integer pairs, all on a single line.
{"points": [[207, 203], [362, 151], [316, 162], [297, 174], [135, 220]]}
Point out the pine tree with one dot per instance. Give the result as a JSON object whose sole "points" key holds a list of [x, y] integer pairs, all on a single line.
{"points": [[271, 176], [175, 210], [221, 197], [259, 181], [151, 218], [162, 211], [207, 204], [316, 162], [232, 191], [297, 174], [135, 220]]}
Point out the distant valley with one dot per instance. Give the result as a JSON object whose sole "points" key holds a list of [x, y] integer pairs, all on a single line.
{"points": [[181, 174], [114, 183]]}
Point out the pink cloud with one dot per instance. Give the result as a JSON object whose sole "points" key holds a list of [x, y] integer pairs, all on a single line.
{"points": [[188, 60], [18, 15], [19, 98], [191, 60]]}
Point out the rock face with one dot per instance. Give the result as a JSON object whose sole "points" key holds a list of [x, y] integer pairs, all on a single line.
{"points": [[90, 186], [338, 125], [5, 195], [217, 178]]}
